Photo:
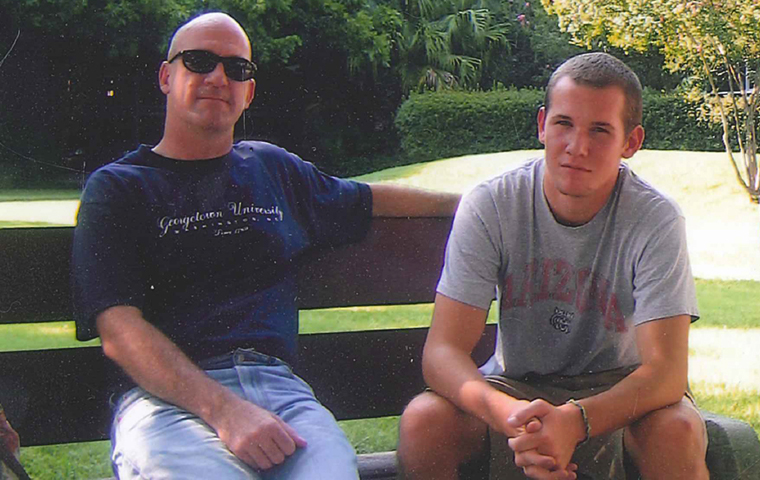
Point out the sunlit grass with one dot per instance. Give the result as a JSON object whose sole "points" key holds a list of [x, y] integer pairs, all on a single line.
{"points": [[369, 435], [40, 336], [723, 303], [369, 318], [732, 304], [38, 213], [75, 461], [20, 195], [730, 401]]}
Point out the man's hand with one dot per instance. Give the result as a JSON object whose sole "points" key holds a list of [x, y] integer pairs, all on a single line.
{"points": [[538, 464], [256, 436], [561, 430]]}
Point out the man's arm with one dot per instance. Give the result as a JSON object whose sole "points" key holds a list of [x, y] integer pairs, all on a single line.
{"points": [[659, 381], [398, 201], [255, 435], [450, 371]]}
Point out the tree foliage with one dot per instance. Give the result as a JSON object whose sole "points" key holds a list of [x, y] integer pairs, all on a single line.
{"points": [[715, 42], [444, 43]]}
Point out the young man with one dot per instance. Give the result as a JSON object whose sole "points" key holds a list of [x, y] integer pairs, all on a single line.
{"points": [[184, 259], [595, 295]]}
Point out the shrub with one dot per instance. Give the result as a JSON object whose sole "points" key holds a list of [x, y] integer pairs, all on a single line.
{"points": [[449, 124], [672, 123]]}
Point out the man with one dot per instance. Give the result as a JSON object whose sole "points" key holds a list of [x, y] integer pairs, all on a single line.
{"points": [[184, 264], [595, 297]]}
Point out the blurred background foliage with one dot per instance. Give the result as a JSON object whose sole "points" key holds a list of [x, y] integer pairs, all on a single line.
{"points": [[78, 89]]}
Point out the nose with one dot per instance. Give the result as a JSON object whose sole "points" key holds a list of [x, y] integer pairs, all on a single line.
{"points": [[217, 76], [578, 143]]}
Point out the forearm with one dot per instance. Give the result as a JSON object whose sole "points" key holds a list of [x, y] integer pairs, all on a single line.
{"points": [[157, 365], [660, 381], [453, 375], [256, 436], [448, 367], [398, 201], [648, 388]]}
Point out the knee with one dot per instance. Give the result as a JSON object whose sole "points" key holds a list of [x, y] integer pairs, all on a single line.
{"points": [[673, 439], [669, 426], [425, 420], [434, 435]]}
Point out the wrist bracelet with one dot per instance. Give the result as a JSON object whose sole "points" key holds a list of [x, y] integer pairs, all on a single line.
{"points": [[585, 420]]}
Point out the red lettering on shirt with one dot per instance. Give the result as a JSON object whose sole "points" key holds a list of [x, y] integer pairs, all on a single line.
{"points": [[564, 291], [613, 318], [556, 280]]}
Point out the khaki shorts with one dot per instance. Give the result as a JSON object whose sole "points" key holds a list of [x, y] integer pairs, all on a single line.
{"points": [[599, 458]]}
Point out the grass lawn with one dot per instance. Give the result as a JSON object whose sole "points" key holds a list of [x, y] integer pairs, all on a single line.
{"points": [[724, 236], [21, 195], [724, 304]]}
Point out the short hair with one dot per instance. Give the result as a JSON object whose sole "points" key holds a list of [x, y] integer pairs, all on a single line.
{"points": [[602, 70]]}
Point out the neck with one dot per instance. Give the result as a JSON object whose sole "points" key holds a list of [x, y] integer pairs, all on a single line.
{"points": [[572, 215], [574, 211], [194, 145]]}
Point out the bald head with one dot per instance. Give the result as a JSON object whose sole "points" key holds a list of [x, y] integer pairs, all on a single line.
{"points": [[207, 21]]}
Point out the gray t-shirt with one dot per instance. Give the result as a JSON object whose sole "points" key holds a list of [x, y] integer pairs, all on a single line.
{"points": [[569, 297]]}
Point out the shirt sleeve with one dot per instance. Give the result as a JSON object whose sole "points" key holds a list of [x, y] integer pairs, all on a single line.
{"points": [[105, 260], [473, 253], [663, 283], [335, 211]]}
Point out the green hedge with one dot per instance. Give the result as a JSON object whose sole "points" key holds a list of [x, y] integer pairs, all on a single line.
{"points": [[448, 124], [671, 123]]}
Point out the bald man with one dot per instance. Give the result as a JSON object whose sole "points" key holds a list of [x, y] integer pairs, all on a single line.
{"points": [[184, 263]]}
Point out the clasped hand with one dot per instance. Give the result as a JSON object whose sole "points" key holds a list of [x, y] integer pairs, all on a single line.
{"points": [[544, 439]]}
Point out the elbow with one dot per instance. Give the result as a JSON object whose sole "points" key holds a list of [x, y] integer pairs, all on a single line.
{"points": [[434, 362], [673, 389], [428, 364], [112, 326], [675, 394], [110, 348]]}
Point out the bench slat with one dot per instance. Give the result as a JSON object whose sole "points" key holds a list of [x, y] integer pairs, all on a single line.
{"points": [[34, 269]]}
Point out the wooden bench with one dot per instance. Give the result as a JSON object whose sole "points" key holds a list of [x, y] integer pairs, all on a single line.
{"points": [[58, 396]]}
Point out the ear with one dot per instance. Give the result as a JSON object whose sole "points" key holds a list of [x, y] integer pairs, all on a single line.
{"points": [[163, 78], [634, 141], [250, 93], [542, 125]]}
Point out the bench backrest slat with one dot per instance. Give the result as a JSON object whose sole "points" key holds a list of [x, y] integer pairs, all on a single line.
{"points": [[398, 263]]}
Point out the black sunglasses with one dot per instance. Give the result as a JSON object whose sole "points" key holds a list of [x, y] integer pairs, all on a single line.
{"points": [[203, 61]]}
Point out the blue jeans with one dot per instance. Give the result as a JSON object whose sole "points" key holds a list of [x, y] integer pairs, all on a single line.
{"points": [[153, 439]]}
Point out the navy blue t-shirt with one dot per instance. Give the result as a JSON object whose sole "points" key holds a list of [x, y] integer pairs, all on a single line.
{"points": [[208, 249]]}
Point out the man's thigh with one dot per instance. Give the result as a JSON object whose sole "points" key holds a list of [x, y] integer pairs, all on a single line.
{"points": [[152, 439], [150, 435], [328, 454]]}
